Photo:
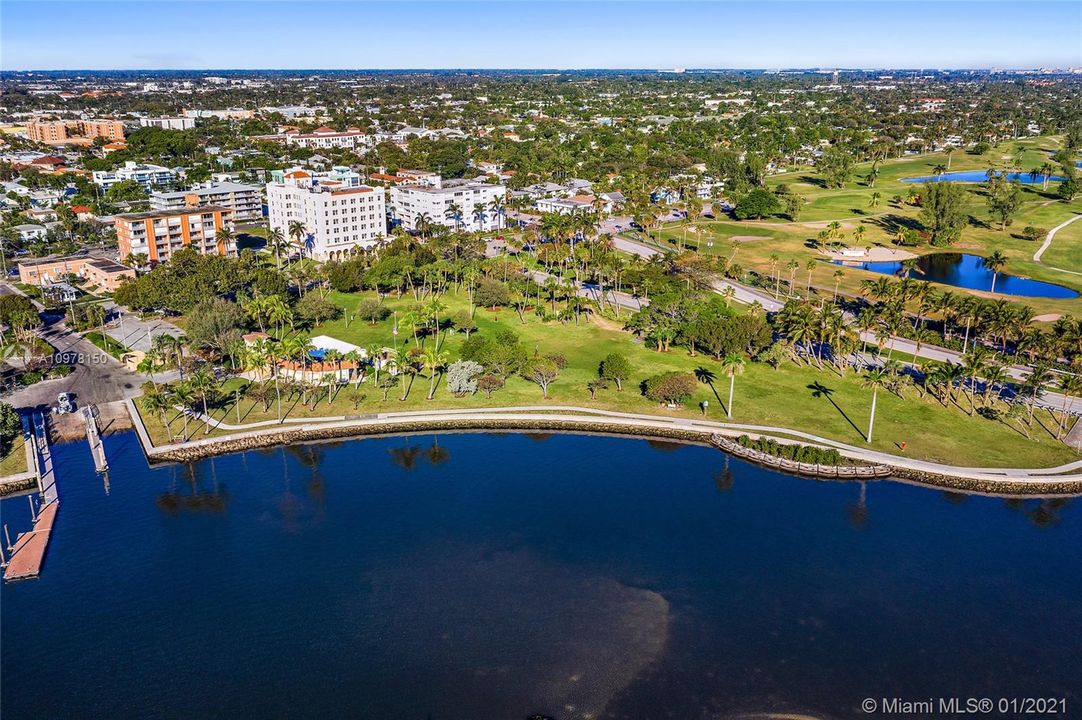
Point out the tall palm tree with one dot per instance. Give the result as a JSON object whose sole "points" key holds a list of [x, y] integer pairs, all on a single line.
{"points": [[276, 240], [733, 365], [875, 378], [156, 400], [183, 396], [499, 209], [995, 262], [203, 383], [434, 360], [298, 232], [454, 213]]}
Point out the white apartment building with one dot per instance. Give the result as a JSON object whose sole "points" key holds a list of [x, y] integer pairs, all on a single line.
{"points": [[245, 201], [339, 218], [411, 202], [146, 175], [168, 123], [325, 137]]}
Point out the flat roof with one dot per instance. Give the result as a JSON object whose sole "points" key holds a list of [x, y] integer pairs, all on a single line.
{"points": [[173, 212], [215, 188]]}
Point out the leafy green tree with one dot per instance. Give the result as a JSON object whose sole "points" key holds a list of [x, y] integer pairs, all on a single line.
{"points": [[758, 203], [671, 388], [543, 371], [943, 212], [615, 367]]}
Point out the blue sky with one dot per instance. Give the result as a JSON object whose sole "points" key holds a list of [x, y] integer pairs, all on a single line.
{"points": [[645, 34]]}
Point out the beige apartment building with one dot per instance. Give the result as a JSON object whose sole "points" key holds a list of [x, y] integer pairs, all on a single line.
{"points": [[74, 132]]}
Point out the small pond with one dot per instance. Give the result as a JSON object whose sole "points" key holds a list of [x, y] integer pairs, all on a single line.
{"points": [[965, 271], [979, 176]]}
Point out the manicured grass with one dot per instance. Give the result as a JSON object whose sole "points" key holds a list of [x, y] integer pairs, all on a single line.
{"points": [[106, 343], [850, 206], [784, 397], [14, 463]]}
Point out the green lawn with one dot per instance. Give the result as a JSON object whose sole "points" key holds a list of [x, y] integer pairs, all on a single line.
{"points": [[106, 343], [14, 462], [782, 397], [850, 206]]}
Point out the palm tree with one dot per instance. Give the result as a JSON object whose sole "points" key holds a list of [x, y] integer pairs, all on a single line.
{"points": [[995, 262], [203, 383], [223, 237], [434, 360], [479, 215], [297, 232], [454, 212], [875, 378], [182, 395], [733, 365], [156, 400], [873, 201], [423, 224], [276, 240], [498, 209]]}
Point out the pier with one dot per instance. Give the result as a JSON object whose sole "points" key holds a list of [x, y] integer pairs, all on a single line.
{"points": [[28, 552], [93, 435]]}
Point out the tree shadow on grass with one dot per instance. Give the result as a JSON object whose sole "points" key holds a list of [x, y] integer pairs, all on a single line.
{"points": [[820, 390], [707, 377]]}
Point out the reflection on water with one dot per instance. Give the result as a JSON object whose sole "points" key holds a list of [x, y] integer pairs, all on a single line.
{"points": [[965, 271], [472, 576]]}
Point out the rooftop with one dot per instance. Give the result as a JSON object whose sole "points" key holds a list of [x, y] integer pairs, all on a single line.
{"points": [[173, 212]]}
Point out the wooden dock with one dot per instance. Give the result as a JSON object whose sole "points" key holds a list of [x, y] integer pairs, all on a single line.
{"points": [[28, 553], [97, 447]]}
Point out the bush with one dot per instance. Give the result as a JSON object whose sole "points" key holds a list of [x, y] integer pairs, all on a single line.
{"points": [[797, 453], [489, 384], [671, 388], [314, 309], [373, 310], [10, 427], [491, 293], [1033, 233], [462, 377]]}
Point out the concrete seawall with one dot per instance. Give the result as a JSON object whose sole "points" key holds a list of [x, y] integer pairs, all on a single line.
{"points": [[1042, 483]]}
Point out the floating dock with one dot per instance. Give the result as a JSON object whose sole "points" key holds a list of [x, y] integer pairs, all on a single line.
{"points": [[97, 448], [28, 553]]}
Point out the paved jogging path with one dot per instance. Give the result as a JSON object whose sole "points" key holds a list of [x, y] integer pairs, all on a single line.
{"points": [[581, 415], [1048, 242]]}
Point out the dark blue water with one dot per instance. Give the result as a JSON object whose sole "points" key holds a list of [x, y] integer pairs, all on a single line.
{"points": [[493, 576], [966, 271], [979, 176]]}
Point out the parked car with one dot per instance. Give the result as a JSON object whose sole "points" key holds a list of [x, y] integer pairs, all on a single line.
{"points": [[65, 403]]}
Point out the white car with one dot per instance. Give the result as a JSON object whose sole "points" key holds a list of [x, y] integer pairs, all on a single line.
{"points": [[65, 403]]}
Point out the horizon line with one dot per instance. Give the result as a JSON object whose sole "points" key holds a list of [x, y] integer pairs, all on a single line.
{"points": [[669, 70]]}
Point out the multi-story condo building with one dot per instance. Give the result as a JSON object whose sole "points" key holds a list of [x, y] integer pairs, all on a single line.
{"points": [[409, 202], [168, 123], [146, 175], [244, 201], [325, 137], [339, 216], [159, 233], [74, 132]]}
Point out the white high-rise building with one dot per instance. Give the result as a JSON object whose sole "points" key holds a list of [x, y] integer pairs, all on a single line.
{"points": [[339, 217], [409, 202]]}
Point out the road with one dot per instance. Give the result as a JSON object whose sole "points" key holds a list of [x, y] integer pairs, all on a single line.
{"points": [[97, 376]]}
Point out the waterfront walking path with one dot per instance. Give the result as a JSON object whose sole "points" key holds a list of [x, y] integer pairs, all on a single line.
{"points": [[587, 419]]}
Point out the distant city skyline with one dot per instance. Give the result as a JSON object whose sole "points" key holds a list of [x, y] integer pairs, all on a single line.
{"points": [[195, 35]]}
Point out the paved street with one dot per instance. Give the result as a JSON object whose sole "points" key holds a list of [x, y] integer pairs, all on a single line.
{"points": [[97, 376]]}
